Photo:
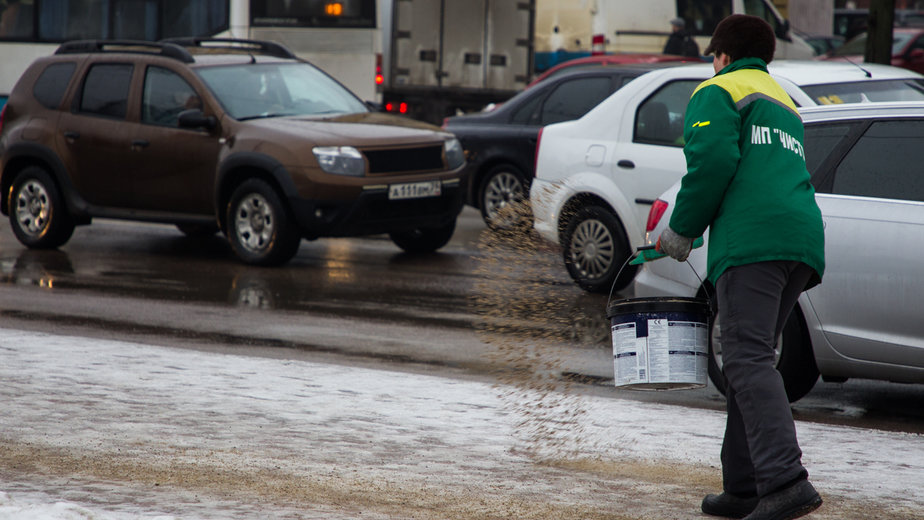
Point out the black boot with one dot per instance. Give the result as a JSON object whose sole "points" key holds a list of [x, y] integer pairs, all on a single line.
{"points": [[728, 505], [794, 501]]}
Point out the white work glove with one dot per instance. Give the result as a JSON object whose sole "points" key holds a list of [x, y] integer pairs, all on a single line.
{"points": [[674, 245]]}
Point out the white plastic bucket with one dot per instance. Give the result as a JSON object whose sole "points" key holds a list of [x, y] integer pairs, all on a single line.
{"points": [[660, 343]]}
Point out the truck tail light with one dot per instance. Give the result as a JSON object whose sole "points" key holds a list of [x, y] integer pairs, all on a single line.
{"points": [[654, 215], [333, 8], [400, 108], [379, 78]]}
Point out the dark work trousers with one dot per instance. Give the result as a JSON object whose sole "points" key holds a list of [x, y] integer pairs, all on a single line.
{"points": [[760, 452]]}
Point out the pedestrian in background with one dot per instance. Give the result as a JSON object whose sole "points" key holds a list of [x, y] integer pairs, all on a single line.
{"points": [[747, 182], [680, 43]]}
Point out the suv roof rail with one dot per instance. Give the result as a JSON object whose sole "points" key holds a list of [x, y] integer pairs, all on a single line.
{"points": [[260, 46], [170, 50]]}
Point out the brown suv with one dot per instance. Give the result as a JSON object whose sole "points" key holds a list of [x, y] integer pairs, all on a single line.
{"points": [[236, 135]]}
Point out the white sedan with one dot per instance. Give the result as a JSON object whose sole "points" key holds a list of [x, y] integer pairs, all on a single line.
{"points": [[863, 320], [596, 177]]}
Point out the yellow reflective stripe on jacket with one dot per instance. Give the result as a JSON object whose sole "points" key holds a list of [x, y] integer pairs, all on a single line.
{"points": [[747, 85]]}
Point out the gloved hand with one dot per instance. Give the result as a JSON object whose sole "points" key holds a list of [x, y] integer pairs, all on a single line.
{"points": [[674, 245]]}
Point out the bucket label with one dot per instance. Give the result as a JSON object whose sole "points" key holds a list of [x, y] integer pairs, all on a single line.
{"points": [[677, 351], [630, 355], [674, 351]]}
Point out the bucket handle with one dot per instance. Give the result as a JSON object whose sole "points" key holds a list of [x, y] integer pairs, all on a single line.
{"points": [[649, 253]]}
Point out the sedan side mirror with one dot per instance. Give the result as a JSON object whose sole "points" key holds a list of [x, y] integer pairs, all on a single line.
{"points": [[195, 118]]}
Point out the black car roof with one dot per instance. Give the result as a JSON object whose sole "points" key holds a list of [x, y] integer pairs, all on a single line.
{"points": [[621, 67]]}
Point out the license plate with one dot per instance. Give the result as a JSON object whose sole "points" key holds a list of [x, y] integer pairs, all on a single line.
{"points": [[414, 190]]}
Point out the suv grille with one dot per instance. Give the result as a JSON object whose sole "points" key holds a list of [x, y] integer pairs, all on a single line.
{"points": [[426, 158]]}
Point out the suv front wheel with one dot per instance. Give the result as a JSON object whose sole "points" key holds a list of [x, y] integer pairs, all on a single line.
{"points": [[259, 227], [37, 213]]}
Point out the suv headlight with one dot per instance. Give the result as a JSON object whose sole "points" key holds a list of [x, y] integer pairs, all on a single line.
{"points": [[340, 160], [455, 157]]}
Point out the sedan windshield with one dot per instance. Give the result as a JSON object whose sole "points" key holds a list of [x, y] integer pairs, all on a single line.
{"points": [[867, 91], [249, 91]]}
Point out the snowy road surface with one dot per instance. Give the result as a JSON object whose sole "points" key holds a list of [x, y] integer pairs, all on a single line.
{"points": [[94, 429]]}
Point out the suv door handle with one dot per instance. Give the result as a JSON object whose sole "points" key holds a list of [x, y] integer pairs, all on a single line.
{"points": [[138, 144], [71, 135], [625, 163]]}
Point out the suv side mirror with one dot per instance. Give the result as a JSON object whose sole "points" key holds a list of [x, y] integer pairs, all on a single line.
{"points": [[195, 118]]}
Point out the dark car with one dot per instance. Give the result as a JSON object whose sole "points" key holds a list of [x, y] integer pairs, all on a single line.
{"points": [[907, 49], [501, 143], [822, 43], [849, 22], [233, 135], [603, 60]]}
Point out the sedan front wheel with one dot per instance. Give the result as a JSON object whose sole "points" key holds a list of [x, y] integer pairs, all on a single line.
{"points": [[503, 198]]}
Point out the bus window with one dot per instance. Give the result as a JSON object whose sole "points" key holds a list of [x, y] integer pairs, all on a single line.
{"points": [[134, 19], [703, 15], [759, 9], [16, 19], [194, 17], [313, 13], [61, 20]]}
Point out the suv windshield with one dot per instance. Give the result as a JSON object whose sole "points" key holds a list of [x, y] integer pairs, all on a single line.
{"points": [[867, 91], [249, 91]]}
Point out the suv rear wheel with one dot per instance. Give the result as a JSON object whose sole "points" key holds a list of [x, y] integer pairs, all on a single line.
{"points": [[259, 227], [423, 240], [595, 249], [37, 213]]}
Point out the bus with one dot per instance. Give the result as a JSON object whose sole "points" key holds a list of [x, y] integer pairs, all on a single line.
{"points": [[342, 37]]}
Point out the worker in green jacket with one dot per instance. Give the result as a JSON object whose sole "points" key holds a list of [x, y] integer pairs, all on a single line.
{"points": [[747, 182]]}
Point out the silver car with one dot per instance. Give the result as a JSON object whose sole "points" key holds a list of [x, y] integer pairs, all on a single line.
{"points": [[863, 321]]}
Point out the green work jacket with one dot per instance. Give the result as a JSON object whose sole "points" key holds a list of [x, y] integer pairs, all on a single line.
{"points": [[746, 178]]}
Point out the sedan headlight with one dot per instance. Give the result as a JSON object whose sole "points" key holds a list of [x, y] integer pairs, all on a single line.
{"points": [[455, 157], [340, 160]]}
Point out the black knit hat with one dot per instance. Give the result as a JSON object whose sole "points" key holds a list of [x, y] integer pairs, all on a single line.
{"points": [[743, 36]]}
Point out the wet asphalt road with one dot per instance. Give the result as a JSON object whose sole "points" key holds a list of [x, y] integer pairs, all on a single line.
{"points": [[485, 306]]}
